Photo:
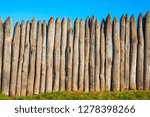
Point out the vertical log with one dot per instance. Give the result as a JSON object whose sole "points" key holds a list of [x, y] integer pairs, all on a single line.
{"points": [[122, 52], [22, 42], [102, 55], [57, 55], [7, 56], [92, 54], [147, 52], [43, 72], [24, 78], [116, 57], [1, 50], [15, 58], [97, 62], [69, 55], [75, 55], [108, 52], [62, 58], [87, 39], [81, 54], [127, 52], [32, 57], [38, 59], [133, 54], [140, 55], [50, 48]]}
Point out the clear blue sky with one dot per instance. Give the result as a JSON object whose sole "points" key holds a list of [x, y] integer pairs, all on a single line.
{"points": [[44, 9]]}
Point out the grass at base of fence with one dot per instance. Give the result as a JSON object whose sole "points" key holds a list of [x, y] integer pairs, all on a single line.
{"points": [[126, 95]]}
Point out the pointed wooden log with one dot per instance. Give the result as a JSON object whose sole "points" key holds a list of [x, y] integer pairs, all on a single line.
{"points": [[1, 50], [7, 56], [32, 53], [81, 54], [24, 78], [20, 64], [147, 52], [50, 48], [140, 54], [38, 58], [116, 57], [57, 55], [15, 58], [108, 52], [97, 52], [62, 54], [43, 67], [75, 55], [87, 46], [69, 56], [92, 55], [102, 55], [127, 52], [122, 53], [133, 54]]}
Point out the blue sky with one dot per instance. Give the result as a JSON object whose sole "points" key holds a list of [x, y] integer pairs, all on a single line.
{"points": [[44, 9]]}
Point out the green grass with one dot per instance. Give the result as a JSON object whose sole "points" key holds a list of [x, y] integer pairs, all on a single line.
{"points": [[126, 95]]}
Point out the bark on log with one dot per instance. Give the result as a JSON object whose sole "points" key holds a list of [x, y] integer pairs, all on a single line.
{"points": [[15, 58], [87, 39], [43, 72], [69, 56], [81, 54], [127, 52], [92, 55], [22, 42], [108, 52], [97, 61], [25, 67], [116, 57], [38, 59], [32, 51], [75, 55], [140, 55], [63, 56], [133, 54], [50, 48], [1, 50], [122, 52], [147, 52], [57, 55], [7, 56]]}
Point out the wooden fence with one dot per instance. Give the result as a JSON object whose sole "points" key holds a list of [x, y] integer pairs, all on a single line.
{"points": [[92, 56]]}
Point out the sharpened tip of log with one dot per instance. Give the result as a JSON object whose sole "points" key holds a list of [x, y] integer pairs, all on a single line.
{"points": [[39, 22], [122, 18], [109, 16], [77, 20], [17, 25], [51, 20], [57, 20], [97, 22], [8, 20], [22, 22], [140, 16], [93, 18], [44, 22], [33, 20], [69, 20], [115, 20], [132, 17], [148, 14], [82, 21], [64, 20]]}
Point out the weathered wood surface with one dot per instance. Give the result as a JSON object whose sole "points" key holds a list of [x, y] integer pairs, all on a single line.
{"points": [[1, 50], [21, 54], [62, 54], [81, 54], [133, 54], [102, 55], [140, 54], [87, 46], [24, 78], [97, 52], [43, 66], [7, 56], [32, 52], [75, 56], [57, 55], [108, 52], [50, 48], [69, 56], [147, 52], [15, 58], [116, 57]]}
